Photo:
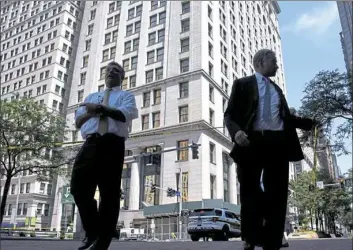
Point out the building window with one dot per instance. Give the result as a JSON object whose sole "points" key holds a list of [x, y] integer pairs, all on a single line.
{"points": [[226, 165], [212, 186], [150, 57], [83, 78], [153, 20], [145, 122], [185, 44], [183, 114], [134, 62], [210, 69], [129, 29], [157, 96], [184, 65], [133, 81], [127, 47], [161, 34], [149, 76], [126, 64], [28, 188], [156, 119], [105, 55], [159, 73], [185, 25], [183, 89], [162, 17], [152, 38], [85, 61], [183, 154], [160, 54], [212, 153], [185, 7], [136, 44], [211, 94], [93, 14], [154, 4], [210, 49], [80, 96], [146, 99], [210, 31], [211, 117], [102, 73]]}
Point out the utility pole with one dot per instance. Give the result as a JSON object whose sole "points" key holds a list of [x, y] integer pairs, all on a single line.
{"points": [[180, 203]]}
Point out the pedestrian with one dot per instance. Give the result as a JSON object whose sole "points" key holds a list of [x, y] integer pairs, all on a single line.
{"points": [[103, 119], [264, 132]]}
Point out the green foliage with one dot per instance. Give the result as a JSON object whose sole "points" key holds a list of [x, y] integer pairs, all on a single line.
{"points": [[30, 136], [302, 197], [328, 98], [333, 202]]}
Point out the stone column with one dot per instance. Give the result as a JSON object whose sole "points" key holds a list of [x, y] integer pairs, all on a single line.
{"points": [[232, 184], [134, 197]]}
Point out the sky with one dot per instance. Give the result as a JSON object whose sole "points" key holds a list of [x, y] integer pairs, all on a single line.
{"points": [[310, 43]]}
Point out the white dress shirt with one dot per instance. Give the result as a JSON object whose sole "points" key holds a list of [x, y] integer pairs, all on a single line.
{"points": [[119, 99], [276, 123]]}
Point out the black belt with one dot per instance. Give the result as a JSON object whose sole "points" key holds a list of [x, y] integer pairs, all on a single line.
{"points": [[266, 132], [97, 135]]}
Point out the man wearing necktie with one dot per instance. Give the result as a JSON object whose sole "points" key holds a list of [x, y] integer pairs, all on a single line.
{"points": [[265, 140], [103, 119]]}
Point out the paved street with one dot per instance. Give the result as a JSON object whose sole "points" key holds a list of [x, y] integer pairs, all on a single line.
{"points": [[320, 244]]}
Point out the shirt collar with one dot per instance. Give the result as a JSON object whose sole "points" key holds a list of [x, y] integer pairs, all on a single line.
{"points": [[259, 77]]}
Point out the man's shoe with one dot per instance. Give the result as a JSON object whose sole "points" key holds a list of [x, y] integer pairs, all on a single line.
{"points": [[100, 244], [87, 243], [248, 246]]}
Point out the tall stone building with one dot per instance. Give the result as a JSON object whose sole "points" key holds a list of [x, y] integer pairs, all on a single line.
{"points": [[38, 45], [180, 58]]}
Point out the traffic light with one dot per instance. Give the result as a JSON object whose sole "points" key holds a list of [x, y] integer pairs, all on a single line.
{"points": [[156, 159], [171, 192], [153, 188], [195, 151]]}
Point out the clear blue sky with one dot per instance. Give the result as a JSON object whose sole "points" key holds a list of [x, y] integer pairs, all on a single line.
{"points": [[310, 43]]}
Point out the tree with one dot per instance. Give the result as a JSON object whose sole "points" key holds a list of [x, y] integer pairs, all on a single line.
{"points": [[29, 141], [332, 203], [328, 99], [335, 204], [303, 197]]}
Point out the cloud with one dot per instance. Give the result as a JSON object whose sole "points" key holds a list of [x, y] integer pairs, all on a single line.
{"points": [[316, 21]]}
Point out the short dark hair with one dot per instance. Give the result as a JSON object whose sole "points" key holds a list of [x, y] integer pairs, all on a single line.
{"points": [[261, 55], [121, 69]]}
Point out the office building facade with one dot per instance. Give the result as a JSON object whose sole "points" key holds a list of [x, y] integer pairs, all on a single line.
{"points": [[345, 9], [180, 58], [38, 48]]}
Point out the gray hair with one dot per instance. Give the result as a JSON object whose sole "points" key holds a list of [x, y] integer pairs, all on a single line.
{"points": [[261, 55]]}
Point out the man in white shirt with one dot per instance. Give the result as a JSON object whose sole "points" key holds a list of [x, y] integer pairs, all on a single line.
{"points": [[103, 119]]}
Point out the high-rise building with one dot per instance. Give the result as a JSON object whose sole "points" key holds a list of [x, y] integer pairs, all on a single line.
{"points": [[38, 47], [180, 58], [345, 9]]}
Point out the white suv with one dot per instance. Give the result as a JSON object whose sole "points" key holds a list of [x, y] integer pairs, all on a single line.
{"points": [[218, 223]]}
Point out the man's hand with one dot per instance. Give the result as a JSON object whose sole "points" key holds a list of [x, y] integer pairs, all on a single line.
{"points": [[92, 108], [241, 139]]}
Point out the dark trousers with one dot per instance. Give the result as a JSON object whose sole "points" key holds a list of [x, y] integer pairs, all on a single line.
{"points": [[99, 163], [263, 212]]}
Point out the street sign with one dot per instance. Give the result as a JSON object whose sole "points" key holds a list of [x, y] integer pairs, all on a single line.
{"points": [[67, 197], [177, 194], [320, 184]]}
